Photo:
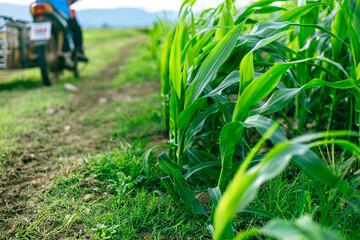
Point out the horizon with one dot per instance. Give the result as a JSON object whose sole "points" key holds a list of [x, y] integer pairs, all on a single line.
{"points": [[149, 6]]}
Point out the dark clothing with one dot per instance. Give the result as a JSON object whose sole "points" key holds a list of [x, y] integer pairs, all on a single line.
{"points": [[77, 32]]}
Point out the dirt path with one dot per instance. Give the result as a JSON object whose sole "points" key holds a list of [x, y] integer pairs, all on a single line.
{"points": [[37, 163]]}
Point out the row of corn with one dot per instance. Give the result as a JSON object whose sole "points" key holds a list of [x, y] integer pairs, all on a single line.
{"points": [[252, 92]]}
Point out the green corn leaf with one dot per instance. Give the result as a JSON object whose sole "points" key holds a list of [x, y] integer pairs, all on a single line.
{"points": [[226, 20], [244, 186], [266, 41], [197, 42], [187, 115], [257, 7], [198, 123], [295, 13], [268, 9], [200, 158], [184, 36], [264, 29], [262, 125], [169, 185], [184, 121], [247, 72], [302, 228], [355, 44], [259, 212], [282, 97], [357, 72], [146, 158], [175, 65], [205, 52], [198, 46], [175, 109], [316, 136], [211, 64], [353, 27], [185, 73], [338, 65], [200, 167], [314, 167], [309, 162], [215, 195], [258, 90], [339, 28], [277, 101], [230, 135], [263, 3], [264, 84], [353, 148], [226, 113], [345, 84], [185, 2], [231, 79], [181, 186], [164, 66]]}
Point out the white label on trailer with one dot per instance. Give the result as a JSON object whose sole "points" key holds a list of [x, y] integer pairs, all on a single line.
{"points": [[40, 31]]}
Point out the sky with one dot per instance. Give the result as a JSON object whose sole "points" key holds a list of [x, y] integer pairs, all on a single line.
{"points": [[149, 5]]}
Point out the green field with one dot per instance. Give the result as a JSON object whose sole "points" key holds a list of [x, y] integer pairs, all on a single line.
{"points": [[230, 123], [77, 143]]}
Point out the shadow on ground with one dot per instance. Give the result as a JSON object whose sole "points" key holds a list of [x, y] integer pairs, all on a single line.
{"points": [[21, 84]]}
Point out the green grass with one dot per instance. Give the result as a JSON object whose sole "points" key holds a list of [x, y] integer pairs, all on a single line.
{"points": [[124, 206], [96, 36], [292, 195], [96, 41], [130, 121], [25, 102], [16, 114], [139, 67]]}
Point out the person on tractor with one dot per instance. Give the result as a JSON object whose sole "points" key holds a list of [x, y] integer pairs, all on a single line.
{"points": [[63, 6]]}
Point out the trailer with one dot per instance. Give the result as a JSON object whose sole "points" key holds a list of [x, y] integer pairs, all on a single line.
{"points": [[16, 49]]}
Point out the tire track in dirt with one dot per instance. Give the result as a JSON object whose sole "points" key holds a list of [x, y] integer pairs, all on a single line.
{"points": [[36, 166]]}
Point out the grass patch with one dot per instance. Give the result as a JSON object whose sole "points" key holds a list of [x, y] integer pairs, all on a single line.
{"points": [[139, 68], [25, 103], [110, 198], [124, 121], [95, 36]]}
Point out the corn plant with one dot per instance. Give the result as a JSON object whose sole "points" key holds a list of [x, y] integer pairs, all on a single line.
{"points": [[241, 81]]}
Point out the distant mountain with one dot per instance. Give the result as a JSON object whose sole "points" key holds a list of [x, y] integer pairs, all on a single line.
{"points": [[120, 17], [96, 18]]}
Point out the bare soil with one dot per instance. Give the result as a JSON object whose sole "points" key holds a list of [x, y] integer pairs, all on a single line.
{"points": [[35, 163]]}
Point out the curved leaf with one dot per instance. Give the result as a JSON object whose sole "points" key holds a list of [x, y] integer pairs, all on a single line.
{"points": [[303, 228], [211, 64], [181, 186], [231, 79]]}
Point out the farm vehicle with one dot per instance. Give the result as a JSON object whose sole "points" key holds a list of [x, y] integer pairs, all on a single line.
{"points": [[47, 43]]}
